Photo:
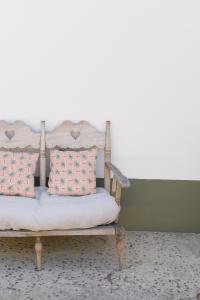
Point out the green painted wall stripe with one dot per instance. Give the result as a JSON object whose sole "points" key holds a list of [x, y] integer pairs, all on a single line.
{"points": [[161, 205]]}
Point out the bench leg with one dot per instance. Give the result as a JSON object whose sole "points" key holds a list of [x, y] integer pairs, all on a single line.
{"points": [[38, 250], [120, 246]]}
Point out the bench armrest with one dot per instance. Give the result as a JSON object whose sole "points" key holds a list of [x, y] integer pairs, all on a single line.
{"points": [[121, 179]]}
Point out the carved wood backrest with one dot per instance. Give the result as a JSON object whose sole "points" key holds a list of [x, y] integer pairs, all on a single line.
{"points": [[79, 135], [18, 136]]}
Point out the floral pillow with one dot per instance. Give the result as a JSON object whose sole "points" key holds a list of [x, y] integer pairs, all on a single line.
{"points": [[73, 172], [17, 173]]}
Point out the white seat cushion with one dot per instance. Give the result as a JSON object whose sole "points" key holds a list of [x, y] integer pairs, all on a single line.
{"points": [[70, 212], [49, 212], [17, 212]]}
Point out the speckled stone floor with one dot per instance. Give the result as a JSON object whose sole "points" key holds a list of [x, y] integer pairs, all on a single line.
{"points": [[158, 266]]}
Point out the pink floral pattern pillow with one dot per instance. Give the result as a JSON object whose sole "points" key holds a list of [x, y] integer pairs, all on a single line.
{"points": [[17, 173], [73, 172]]}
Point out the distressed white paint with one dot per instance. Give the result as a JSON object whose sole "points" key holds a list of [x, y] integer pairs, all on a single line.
{"points": [[135, 63]]}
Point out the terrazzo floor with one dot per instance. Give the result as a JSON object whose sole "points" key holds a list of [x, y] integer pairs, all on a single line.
{"points": [[158, 266]]}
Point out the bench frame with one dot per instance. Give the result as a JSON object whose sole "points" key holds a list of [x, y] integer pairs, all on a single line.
{"points": [[18, 136]]}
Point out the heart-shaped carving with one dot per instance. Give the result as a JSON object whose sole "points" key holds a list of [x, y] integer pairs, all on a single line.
{"points": [[75, 134], [10, 134]]}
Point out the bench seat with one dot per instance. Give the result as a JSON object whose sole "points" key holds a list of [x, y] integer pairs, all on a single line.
{"points": [[50, 212]]}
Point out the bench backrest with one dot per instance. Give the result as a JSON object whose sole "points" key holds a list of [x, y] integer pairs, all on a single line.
{"points": [[76, 135], [18, 136]]}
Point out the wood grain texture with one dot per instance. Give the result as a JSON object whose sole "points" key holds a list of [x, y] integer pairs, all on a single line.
{"points": [[107, 157], [38, 251], [42, 155], [18, 135], [75, 135], [122, 179], [120, 236], [114, 186], [118, 193], [99, 230]]}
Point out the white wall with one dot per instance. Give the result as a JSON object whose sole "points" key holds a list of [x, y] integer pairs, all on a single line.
{"points": [[136, 63]]}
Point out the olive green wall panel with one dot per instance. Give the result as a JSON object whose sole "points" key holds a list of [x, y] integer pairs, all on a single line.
{"points": [[161, 205]]}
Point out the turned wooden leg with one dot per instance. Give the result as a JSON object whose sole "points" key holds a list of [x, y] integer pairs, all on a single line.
{"points": [[120, 235], [38, 250]]}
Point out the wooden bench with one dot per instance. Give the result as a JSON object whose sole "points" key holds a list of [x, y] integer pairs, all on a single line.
{"points": [[18, 136]]}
